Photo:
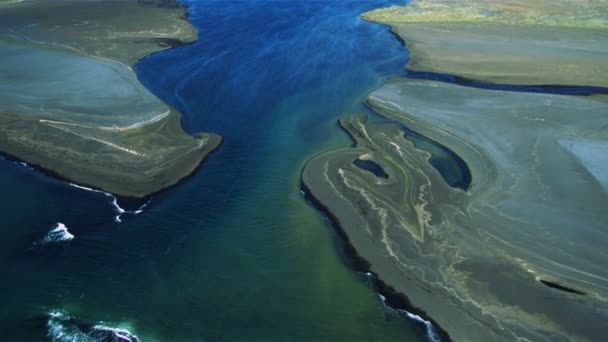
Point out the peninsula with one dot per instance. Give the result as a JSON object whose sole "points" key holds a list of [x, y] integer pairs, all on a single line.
{"points": [[71, 104], [518, 252]]}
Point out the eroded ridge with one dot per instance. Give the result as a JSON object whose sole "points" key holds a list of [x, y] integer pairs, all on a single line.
{"points": [[71, 104], [480, 262]]}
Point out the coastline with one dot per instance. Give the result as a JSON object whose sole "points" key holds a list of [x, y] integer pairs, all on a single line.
{"points": [[534, 315], [128, 158], [393, 298], [67, 181], [526, 43]]}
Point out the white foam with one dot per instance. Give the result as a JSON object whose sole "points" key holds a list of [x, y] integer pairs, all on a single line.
{"points": [[144, 205], [59, 329], [121, 334], [63, 328], [24, 164], [430, 331], [86, 189], [121, 211], [117, 208], [59, 233]]}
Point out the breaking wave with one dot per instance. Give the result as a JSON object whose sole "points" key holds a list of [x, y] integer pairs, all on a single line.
{"points": [[58, 233], [430, 331], [114, 203], [63, 328], [431, 334]]}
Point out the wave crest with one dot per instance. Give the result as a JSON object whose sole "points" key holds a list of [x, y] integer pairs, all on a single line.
{"points": [[58, 233], [63, 328]]}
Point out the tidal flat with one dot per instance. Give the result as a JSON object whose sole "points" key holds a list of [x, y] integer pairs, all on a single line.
{"points": [[521, 42], [511, 246], [234, 253], [519, 254], [72, 105]]}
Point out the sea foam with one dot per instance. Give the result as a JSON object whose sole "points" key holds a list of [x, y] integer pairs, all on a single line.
{"points": [[114, 202], [63, 328], [58, 233], [430, 330]]}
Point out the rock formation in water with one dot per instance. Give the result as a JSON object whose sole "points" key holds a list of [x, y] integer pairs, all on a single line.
{"points": [[71, 104]]}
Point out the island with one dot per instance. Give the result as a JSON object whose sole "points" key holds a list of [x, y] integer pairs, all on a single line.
{"points": [[71, 104], [485, 208]]}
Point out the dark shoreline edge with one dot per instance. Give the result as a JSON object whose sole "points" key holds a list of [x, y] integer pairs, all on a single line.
{"points": [[62, 179], [393, 299], [558, 89]]}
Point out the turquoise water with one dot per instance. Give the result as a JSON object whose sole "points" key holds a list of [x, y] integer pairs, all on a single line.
{"points": [[234, 252]]}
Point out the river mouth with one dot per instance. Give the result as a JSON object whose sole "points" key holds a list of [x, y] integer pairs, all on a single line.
{"points": [[236, 232]]}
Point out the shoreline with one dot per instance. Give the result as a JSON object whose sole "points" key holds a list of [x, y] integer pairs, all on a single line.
{"points": [[134, 161], [528, 324], [528, 42], [64, 180], [393, 298]]}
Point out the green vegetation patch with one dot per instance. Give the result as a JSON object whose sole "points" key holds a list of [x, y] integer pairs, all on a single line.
{"points": [[580, 13]]}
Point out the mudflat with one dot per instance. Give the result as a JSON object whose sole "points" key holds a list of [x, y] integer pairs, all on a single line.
{"points": [[519, 253], [486, 208], [72, 105], [521, 42]]}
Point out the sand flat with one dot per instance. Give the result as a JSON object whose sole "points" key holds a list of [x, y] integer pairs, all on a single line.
{"points": [[520, 42], [518, 252], [72, 105]]}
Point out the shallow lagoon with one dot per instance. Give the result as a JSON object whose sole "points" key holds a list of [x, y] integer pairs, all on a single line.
{"points": [[234, 252]]}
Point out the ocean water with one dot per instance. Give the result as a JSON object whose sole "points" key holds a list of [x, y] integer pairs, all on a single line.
{"points": [[234, 252]]}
